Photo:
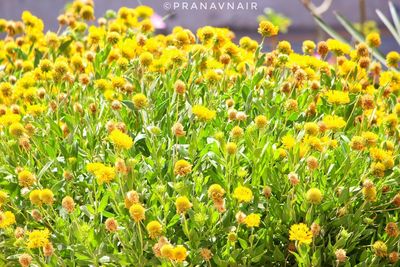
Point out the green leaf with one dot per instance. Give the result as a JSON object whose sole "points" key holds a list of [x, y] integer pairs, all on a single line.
{"points": [[395, 16], [358, 36], [278, 255], [349, 27], [38, 57], [128, 104], [243, 243], [173, 221], [21, 54], [329, 29], [44, 169], [389, 25], [64, 46], [104, 202]]}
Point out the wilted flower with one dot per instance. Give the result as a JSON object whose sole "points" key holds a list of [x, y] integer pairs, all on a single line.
{"points": [[340, 255]]}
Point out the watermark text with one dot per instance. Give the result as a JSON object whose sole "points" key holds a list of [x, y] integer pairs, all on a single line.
{"points": [[210, 5]]}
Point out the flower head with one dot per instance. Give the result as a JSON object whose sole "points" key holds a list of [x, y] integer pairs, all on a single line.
{"points": [[120, 139], [203, 113], [154, 228], [137, 212], [252, 220], [301, 233], [182, 204], [243, 194], [7, 218], [182, 167], [38, 238], [267, 29], [314, 196], [140, 101], [179, 253], [26, 178], [380, 248]]}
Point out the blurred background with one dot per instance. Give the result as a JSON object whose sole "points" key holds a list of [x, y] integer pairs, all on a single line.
{"points": [[293, 14]]}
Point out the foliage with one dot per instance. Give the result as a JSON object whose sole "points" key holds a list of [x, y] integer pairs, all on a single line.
{"points": [[354, 30], [277, 19]]}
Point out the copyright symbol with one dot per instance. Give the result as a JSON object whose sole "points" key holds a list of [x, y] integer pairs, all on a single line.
{"points": [[167, 5]]}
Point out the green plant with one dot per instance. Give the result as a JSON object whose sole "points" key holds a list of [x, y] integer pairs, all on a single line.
{"points": [[276, 18], [394, 29]]}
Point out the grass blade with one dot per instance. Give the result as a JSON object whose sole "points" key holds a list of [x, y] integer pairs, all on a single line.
{"points": [[358, 36], [395, 17], [388, 25], [329, 30], [350, 28]]}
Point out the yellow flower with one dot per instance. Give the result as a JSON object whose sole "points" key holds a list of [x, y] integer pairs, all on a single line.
{"points": [[120, 139], [357, 143], [167, 251], [288, 141], [369, 193], [337, 47], [308, 47], [267, 29], [182, 204], [38, 238], [179, 253], [373, 39], [34, 197], [261, 121], [284, 47], [334, 122], [252, 220], [144, 12], [146, 59], [3, 197], [231, 148], [6, 219], [311, 128], [26, 178], [8, 119], [46, 196], [370, 138], [337, 97], [203, 113], [380, 248], [103, 173], [140, 101], [216, 192], [16, 129], [154, 228], [237, 132], [87, 12], [314, 196], [182, 167], [137, 212], [301, 233], [243, 194], [393, 59], [94, 166], [379, 154]]}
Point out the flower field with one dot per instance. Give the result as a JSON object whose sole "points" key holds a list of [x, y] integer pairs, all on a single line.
{"points": [[123, 147]]}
